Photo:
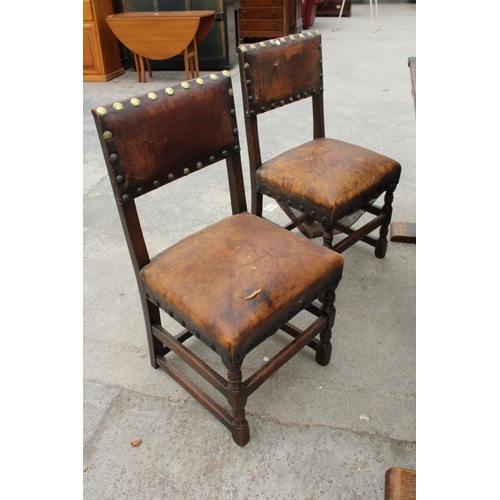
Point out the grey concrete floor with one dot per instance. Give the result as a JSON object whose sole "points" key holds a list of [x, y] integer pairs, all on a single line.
{"points": [[316, 432]]}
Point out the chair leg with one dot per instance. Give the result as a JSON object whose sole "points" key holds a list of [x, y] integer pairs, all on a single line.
{"points": [[381, 246], [327, 236], [237, 398], [152, 316], [324, 348]]}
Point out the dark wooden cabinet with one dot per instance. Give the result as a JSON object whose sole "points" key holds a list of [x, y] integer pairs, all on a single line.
{"points": [[264, 19], [332, 8]]}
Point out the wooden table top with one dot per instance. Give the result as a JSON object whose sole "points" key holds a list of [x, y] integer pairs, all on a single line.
{"points": [[161, 35]]}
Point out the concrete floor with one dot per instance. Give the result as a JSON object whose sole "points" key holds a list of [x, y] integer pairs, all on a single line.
{"points": [[316, 432]]}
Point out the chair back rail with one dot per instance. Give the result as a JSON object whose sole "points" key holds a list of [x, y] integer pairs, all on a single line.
{"points": [[144, 138]]}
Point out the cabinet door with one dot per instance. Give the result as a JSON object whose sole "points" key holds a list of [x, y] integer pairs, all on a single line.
{"points": [[92, 62]]}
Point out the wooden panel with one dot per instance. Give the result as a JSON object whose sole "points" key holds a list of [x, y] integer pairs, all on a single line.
{"points": [[262, 13], [261, 25], [260, 3], [101, 56], [91, 59], [87, 11], [269, 18]]}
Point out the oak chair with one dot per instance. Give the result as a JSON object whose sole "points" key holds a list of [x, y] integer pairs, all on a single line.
{"points": [[323, 185], [231, 285]]}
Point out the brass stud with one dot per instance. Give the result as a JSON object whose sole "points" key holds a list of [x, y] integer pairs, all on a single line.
{"points": [[107, 135], [318, 32], [292, 38], [253, 47], [170, 177], [169, 91], [282, 102], [200, 82], [113, 158], [135, 102], [186, 171], [290, 99], [272, 42], [199, 165], [101, 111], [243, 49], [283, 40], [278, 42], [302, 36], [309, 33], [226, 73], [214, 77], [246, 65], [263, 45], [152, 96], [185, 85], [230, 92]]}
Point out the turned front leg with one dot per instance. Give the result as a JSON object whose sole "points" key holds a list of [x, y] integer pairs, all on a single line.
{"points": [[237, 398], [324, 348]]}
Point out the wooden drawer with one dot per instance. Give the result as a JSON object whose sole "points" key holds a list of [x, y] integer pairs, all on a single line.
{"points": [[260, 3], [332, 8], [261, 25], [261, 13]]}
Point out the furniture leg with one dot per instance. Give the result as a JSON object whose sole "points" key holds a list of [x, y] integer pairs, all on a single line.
{"points": [[324, 348], [237, 398], [381, 247]]}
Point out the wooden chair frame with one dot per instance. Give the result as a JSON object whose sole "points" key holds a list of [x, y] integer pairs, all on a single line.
{"points": [[265, 88], [133, 134]]}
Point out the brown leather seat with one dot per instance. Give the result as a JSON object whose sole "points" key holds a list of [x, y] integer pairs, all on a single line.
{"points": [[233, 284], [323, 185]]}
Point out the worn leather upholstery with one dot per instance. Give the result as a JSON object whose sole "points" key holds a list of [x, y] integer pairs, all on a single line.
{"points": [[328, 176], [205, 281]]}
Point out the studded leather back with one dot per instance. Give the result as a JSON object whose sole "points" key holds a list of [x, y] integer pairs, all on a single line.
{"points": [[158, 137], [281, 71]]}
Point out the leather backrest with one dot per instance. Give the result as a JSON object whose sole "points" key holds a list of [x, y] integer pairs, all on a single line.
{"points": [[280, 71], [155, 138]]}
